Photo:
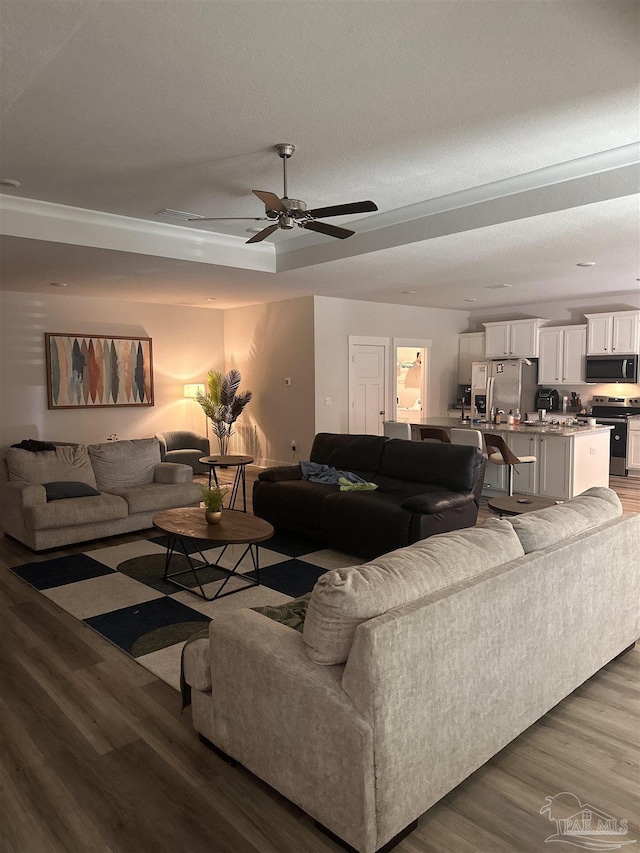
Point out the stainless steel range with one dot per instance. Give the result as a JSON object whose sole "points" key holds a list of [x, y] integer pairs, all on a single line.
{"points": [[615, 412]]}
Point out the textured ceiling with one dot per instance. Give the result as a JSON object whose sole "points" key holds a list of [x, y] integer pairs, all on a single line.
{"points": [[131, 107]]}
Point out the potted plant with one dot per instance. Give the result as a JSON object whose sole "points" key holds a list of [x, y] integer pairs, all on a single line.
{"points": [[213, 502], [223, 405]]}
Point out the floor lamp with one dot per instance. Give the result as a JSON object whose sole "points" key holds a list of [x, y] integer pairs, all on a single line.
{"points": [[192, 392]]}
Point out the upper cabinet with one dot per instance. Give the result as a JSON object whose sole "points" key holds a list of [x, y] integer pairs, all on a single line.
{"points": [[515, 338], [470, 349], [561, 356], [610, 334]]}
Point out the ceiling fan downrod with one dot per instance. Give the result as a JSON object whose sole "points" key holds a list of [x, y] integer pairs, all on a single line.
{"points": [[285, 150]]}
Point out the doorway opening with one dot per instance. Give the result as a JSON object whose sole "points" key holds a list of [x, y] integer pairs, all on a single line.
{"points": [[411, 383]]}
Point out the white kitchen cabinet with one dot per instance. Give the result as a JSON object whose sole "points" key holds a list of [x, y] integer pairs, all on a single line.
{"points": [[555, 471], [608, 334], [525, 476], [495, 478], [562, 351], [633, 447], [470, 349], [513, 339]]}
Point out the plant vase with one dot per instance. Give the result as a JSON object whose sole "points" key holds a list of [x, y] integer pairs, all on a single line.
{"points": [[213, 517]]}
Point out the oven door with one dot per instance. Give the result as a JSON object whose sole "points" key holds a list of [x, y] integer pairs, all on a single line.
{"points": [[618, 446]]}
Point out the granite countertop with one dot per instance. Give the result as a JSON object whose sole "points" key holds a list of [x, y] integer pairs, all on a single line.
{"points": [[547, 429]]}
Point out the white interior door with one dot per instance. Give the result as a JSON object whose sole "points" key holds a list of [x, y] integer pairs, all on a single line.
{"points": [[367, 389]]}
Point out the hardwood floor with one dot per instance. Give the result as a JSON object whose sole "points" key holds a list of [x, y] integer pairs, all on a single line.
{"points": [[95, 755]]}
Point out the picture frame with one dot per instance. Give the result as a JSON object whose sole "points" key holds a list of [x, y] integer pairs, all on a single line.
{"points": [[98, 371]]}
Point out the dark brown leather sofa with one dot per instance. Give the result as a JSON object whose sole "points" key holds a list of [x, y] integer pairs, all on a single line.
{"points": [[423, 488]]}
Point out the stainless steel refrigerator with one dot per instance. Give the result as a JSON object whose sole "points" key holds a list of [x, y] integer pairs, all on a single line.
{"points": [[510, 384]]}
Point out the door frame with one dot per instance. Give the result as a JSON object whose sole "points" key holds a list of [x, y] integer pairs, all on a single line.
{"points": [[418, 343], [369, 340]]}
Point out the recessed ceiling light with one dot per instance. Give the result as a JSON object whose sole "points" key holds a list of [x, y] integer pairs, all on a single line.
{"points": [[58, 283], [497, 286], [9, 182], [211, 298], [409, 291], [586, 264], [470, 300]]}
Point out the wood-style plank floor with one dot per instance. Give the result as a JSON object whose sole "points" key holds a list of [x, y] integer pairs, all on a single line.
{"points": [[95, 756]]}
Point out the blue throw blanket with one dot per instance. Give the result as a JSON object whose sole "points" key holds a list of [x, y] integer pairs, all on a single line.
{"points": [[319, 473]]}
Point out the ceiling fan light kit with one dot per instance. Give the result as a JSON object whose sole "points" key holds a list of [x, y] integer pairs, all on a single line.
{"points": [[285, 213]]}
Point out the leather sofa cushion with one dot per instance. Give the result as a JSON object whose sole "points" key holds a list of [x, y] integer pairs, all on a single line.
{"points": [[119, 464], [73, 511], [436, 499], [450, 465], [292, 504], [70, 462], [546, 527], [281, 473], [344, 598], [365, 523], [349, 452]]}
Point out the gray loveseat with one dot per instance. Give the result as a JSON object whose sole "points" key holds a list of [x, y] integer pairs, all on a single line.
{"points": [[133, 484], [415, 669]]}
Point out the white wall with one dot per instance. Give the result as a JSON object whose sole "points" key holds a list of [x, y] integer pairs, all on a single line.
{"points": [[336, 319], [570, 313], [187, 342], [268, 343]]}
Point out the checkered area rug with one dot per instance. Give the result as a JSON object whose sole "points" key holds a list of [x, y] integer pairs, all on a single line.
{"points": [[120, 593]]}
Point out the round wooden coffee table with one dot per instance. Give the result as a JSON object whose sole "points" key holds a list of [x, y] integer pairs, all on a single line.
{"points": [[187, 524], [517, 504], [238, 462]]}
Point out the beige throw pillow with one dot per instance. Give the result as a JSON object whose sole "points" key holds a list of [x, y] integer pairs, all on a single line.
{"points": [[343, 598]]}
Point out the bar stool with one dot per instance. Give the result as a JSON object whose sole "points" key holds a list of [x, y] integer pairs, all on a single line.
{"points": [[500, 454], [397, 429], [469, 437], [434, 434]]}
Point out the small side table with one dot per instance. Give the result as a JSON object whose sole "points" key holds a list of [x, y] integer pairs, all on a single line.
{"points": [[517, 504], [238, 462]]}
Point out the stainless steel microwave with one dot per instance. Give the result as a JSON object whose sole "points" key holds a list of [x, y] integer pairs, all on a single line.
{"points": [[612, 368]]}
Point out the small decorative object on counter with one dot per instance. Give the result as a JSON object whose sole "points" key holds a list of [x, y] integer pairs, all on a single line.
{"points": [[510, 418], [516, 417], [497, 419]]}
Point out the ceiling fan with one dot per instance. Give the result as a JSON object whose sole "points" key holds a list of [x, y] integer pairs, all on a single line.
{"points": [[287, 212]]}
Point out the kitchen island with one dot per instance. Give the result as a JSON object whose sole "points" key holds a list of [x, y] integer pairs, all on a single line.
{"points": [[570, 459]]}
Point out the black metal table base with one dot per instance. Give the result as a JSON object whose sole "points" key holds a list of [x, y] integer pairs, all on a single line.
{"points": [[194, 568], [239, 479]]}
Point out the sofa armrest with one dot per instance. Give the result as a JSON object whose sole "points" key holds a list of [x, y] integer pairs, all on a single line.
{"points": [[289, 721], [283, 472], [14, 493], [172, 472], [437, 500]]}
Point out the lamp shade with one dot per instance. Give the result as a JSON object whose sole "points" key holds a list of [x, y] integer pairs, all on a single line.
{"points": [[192, 391]]}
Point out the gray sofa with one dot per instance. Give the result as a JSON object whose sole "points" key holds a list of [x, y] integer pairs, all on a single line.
{"points": [[133, 485], [415, 669]]}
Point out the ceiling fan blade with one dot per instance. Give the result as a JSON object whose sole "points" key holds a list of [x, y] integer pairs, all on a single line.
{"points": [[344, 209], [224, 218], [262, 235], [329, 230], [271, 201]]}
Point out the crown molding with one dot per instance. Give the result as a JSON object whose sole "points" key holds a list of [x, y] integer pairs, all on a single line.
{"points": [[58, 223]]}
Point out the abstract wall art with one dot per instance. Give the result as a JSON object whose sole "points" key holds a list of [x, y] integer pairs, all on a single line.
{"points": [[90, 372]]}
